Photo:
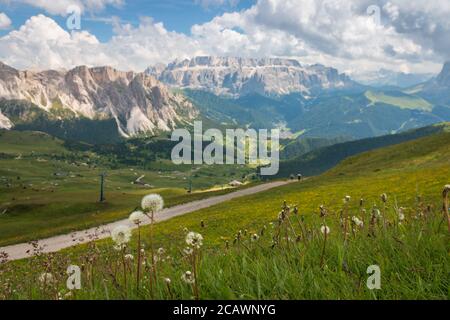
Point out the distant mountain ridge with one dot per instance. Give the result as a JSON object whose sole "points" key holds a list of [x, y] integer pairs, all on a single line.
{"points": [[102, 104], [443, 78], [136, 101], [323, 159], [236, 76], [388, 78], [436, 90]]}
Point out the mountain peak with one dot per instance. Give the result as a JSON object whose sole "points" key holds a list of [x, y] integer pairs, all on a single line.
{"points": [[137, 102], [444, 77], [237, 76]]}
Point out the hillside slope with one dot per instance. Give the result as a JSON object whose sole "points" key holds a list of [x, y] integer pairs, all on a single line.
{"points": [[405, 171], [251, 250], [318, 161]]}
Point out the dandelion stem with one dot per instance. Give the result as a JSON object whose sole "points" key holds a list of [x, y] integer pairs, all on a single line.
{"points": [[445, 196], [138, 275], [322, 259]]}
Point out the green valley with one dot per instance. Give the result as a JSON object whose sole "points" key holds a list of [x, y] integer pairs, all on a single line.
{"points": [[252, 251]]}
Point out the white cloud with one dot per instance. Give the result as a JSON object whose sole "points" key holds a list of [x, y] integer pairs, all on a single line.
{"points": [[60, 7], [5, 21], [411, 37], [216, 3], [339, 32], [42, 43]]}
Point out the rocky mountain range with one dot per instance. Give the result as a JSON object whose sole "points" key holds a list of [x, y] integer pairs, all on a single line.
{"points": [[243, 76], [95, 104], [136, 101]]}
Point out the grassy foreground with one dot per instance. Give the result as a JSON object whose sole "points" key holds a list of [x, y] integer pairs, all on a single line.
{"points": [[260, 247]]}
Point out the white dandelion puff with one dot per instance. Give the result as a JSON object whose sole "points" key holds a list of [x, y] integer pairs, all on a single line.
{"points": [[325, 230], [194, 239], [119, 247], [129, 257], [152, 203], [188, 277], [137, 217], [358, 222], [377, 213], [401, 215], [121, 235]]}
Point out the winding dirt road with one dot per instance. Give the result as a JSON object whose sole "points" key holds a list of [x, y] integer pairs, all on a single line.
{"points": [[57, 243]]}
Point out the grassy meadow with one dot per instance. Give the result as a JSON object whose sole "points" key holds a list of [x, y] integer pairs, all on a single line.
{"points": [[47, 189], [382, 208]]}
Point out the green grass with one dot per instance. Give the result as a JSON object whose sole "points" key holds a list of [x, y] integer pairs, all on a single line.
{"points": [[401, 101], [322, 159], [13, 142], [413, 256], [46, 189]]}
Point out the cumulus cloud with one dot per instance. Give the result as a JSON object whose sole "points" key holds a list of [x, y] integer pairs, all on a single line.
{"points": [[402, 36], [340, 32], [42, 43], [5, 21]]}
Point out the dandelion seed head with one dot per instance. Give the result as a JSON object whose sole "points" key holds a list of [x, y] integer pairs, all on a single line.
{"points": [[152, 203], [446, 190], [376, 213], [188, 278], [325, 230], [358, 222], [194, 239], [121, 235], [401, 215], [119, 247], [129, 257], [137, 217]]}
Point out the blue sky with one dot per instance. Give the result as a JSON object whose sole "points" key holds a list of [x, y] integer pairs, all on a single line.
{"points": [[177, 15], [358, 37]]}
